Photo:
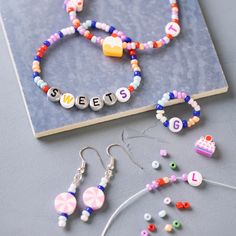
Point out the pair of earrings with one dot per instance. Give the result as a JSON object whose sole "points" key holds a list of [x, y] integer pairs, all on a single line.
{"points": [[94, 197]]}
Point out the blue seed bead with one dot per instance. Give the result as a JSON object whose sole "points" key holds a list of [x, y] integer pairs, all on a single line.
{"points": [[196, 113], [172, 96], [72, 193], [47, 43], [159, 107], [185, 123], [37, 58], [35, 74], [112, 29], [101, 188], [133, 57], [137, 73], [89, 209], [60, 34], [187, 98], [166, 123], [93, 24], [128, 40], [65, 215]]}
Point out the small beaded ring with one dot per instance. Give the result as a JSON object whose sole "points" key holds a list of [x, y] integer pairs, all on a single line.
{"points": [[68, 100], [175, 124], [172, 29]]}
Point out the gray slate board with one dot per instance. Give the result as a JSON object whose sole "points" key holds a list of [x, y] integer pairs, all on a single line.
{"points": [[190, 62]]}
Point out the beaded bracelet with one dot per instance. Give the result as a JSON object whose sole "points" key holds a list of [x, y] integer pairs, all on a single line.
{"points": [[67, 100], [175, 124], [172, 29]]}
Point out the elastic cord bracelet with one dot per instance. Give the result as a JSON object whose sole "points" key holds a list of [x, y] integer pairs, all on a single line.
{"points": [[172, 29], [67, 100], [175, 124]]}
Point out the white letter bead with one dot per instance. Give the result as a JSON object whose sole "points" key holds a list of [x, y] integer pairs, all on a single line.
{"points": [[195, 178], [173, 29], [175, 125], [123, 95], [67, 100], [96, 103], [54, 94]]}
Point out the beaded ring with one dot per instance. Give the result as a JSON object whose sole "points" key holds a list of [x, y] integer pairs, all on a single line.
{"points": [[172, 29], [175, 124], [67, 100]]}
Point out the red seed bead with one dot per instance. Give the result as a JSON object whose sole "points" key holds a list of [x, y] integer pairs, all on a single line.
{"points": [[152, 227], [137, 44], [169, 36], [40, 54], [174, 5], [45, 88], [179, 205], [176, 21], [160, 182], [114, 35], [44, 48], [89, 36], [132, 52], [155, 45], [76, 23], [70, 9], [131, 88], [186, 205]]}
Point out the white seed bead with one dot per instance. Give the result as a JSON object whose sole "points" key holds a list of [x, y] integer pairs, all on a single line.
{"points": [[104, 179], [72, 188], [163, 119], [160, 102], [162, 213], [167, 96], [155, 164], [86, 213], [167, 201], [62, 223], [84, 218], [197, 108], [147, 217], [62, 218], [160, 112], [172, 1], [159, 116], [191, 101]]}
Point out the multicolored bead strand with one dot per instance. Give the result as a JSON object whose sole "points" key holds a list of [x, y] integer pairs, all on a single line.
{"points": [[65, 203], [68, 100], [94, 197], [175, 124], [172, 29]]}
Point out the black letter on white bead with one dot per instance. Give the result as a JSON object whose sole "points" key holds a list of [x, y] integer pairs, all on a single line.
{"points": [[81, 102], [54, 94], [96, 103], [109, 99]]}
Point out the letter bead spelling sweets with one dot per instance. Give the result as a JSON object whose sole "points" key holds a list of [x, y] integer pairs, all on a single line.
{"points": [[175, 124]]}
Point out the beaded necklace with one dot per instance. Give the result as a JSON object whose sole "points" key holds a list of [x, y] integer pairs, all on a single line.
{"points": [[172, 29]]}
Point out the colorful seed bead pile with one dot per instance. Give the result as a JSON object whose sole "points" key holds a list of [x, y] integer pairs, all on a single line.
{"points": [[175, 124], [68, 100], [172, 29]]}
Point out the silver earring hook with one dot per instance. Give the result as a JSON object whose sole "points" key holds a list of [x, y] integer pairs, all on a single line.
{"points": [[96, 151], [108, 150]]}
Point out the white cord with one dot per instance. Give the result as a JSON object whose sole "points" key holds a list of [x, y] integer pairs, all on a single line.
{"points": [[220, 184], [144, 191], [118, 210]]}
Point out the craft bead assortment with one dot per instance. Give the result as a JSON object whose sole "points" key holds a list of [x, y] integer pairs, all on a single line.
{"points": [[172, 29], [175, 124]]}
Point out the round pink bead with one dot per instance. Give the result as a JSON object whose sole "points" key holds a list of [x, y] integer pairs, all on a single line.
{"points": [[65, 203], [173, 178], [94, 197], [175, 93], [179, 96], [184, 95], [184, 177]]}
